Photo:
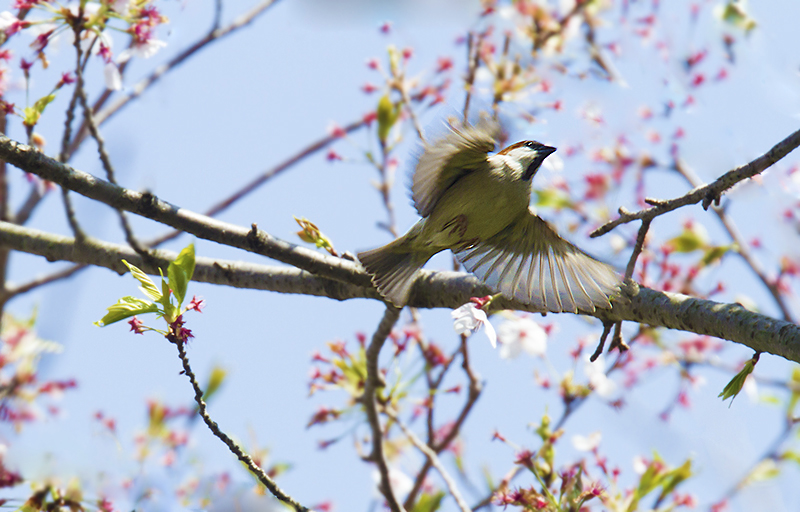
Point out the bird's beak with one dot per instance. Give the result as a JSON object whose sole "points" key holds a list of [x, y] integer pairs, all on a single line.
{"points": [[546, 151], [541, 153]]}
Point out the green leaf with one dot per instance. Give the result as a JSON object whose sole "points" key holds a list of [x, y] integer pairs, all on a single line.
{"points": [[126, 307], [553, 198], [674, 478], [170, 313], [214, 382], [764, 470], [736, 384], [180, 273], [715, 254], [429, 502], [387, 117], [41, 103], [791, 455], [691, 239], [734, 14], [148, 287], [32, 114], [166, 293]]}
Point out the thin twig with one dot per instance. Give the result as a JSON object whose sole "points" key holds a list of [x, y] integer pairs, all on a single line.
{"points": [[770, 453], [41, 281], [387, 179], [72, 219], [473, 60], [370, 402], [70, 116], [637, 248], [741, 246], [706, 194], [473, 393], [434, 460], [138, 89], [37, 191], [401, 88], [33, 199], [105, 159], [68, 208], [254, 468]]}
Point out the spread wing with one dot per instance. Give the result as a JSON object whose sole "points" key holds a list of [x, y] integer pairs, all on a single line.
{"points": [[444, 161], [530, 262]]}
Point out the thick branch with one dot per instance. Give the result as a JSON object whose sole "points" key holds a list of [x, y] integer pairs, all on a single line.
{"points": [[431, 290], [201, 226]]}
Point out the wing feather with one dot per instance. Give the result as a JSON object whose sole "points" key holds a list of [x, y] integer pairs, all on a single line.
{"points": [[444, 161], [548, 272]]}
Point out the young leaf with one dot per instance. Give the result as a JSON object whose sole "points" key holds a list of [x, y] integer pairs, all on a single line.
{"points": [[387, 117], [180, 273], [736, 384], [32, 114], [148, 287], [429, 502], [126, 307], [214, 382], [674, 478]]}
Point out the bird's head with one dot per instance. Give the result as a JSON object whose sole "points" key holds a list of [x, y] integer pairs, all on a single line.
{"points": [[528, 154]]}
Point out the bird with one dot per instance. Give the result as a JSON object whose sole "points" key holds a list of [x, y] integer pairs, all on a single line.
{"points": [[477, 204]]}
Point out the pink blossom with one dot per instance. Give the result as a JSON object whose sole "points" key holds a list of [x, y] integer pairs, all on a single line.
{"points": [[136, 325], [444, 64]]}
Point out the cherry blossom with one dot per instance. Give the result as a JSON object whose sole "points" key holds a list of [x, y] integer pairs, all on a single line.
{"points": [[468, 318], [522, 334], [586, 443]]}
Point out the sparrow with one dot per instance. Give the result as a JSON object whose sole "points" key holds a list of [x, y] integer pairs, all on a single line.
{"points": [[477, 205]]}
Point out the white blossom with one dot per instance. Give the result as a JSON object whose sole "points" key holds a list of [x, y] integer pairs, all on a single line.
{"points": [[639, 465], [7, 19], [122, 7], [586, 443], [521, 334], [143, 50], [468, 318], [598, 379], [400, 482], [111, 76]]}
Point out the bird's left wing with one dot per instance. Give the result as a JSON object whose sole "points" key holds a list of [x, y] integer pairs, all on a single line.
{"points": [[531, 263], [444, 161]]}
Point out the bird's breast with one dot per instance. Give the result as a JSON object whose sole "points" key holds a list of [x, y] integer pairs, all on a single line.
{"points": [[476, 207]]}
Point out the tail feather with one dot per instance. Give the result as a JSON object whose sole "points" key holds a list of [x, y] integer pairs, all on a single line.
{"points": [[393, 269]]}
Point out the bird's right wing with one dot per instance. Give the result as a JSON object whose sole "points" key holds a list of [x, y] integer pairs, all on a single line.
{"points": [[531, 263], [444, 161]]}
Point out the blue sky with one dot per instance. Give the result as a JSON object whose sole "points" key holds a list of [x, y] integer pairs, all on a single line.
{"points": [[251, 101]]}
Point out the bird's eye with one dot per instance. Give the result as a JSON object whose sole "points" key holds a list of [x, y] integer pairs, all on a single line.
{"points": [[531, 144]]}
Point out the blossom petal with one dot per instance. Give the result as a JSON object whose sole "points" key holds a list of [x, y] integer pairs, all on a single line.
{"points": [[111, 76]]}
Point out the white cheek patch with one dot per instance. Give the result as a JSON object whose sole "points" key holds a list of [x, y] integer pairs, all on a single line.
{"points": [[510, 161]]}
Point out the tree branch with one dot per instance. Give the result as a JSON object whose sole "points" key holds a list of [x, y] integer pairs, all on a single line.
{"points": [[370, 401], [432, 289], [248, 461], [138, 89], [706, 194], [434, 460]]}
